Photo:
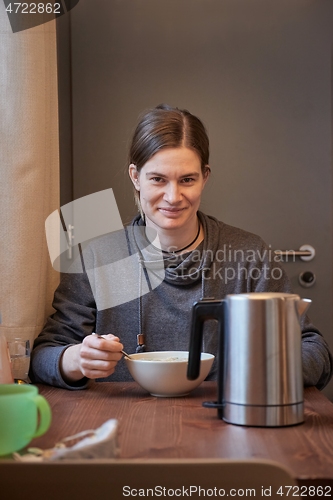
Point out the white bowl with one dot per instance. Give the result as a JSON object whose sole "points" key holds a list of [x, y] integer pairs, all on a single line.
{"points": [[164, 373]]}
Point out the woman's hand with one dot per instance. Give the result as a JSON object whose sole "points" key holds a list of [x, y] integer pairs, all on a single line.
{"points": [[96, 357]]}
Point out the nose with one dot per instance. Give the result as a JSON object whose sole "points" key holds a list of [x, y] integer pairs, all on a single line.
{"points": [[173, 193]]}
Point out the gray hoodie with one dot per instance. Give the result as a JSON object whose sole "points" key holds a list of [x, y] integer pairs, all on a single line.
{"points": [[139, 291]]}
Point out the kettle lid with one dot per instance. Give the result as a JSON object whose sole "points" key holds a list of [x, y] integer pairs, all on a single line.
{"points": [[264, 296]]}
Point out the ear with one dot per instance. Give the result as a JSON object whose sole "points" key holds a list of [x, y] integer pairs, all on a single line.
{"points": [[206, 173], [134, 176]]}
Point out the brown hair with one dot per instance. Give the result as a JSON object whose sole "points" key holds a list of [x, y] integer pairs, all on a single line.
{"points": [[167, 127]]}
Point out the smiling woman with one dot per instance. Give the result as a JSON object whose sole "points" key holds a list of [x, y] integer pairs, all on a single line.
{"points": [[169, 167], [170, 186]]}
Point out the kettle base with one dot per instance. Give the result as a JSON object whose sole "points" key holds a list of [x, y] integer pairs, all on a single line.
{"points": [[263, 416]]}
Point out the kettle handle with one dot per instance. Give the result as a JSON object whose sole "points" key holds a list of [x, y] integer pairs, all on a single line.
{"points": [[203, 310]]}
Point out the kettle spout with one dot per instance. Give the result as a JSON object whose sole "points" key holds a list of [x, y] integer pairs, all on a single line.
{"points": [[302, 306]]}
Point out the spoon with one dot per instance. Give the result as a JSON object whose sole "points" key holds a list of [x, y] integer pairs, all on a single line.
{"points": [[101, 337], [127, 355]]}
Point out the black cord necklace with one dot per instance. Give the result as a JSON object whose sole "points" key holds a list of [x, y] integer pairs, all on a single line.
{"points": [[184, 248]]}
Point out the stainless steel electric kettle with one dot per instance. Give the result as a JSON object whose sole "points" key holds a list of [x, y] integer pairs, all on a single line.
{"points": [[260, 380]]}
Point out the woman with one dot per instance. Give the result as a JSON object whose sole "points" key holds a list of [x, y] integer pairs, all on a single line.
{"points": [[200, 257]]}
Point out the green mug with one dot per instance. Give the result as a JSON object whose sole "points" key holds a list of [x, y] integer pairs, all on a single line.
{"points": [[24, 415]]}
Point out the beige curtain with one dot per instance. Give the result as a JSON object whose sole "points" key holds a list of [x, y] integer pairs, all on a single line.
{"points": [[29, 174]]}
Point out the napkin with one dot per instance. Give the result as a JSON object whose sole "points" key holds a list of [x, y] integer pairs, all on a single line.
{"points": [[95, 444]]}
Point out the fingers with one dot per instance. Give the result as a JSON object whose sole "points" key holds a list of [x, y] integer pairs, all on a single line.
{"points": [[106, 344], [99, 355], [93, 369]]}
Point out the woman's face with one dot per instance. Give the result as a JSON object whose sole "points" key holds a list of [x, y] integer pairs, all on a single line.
{"points": [[170, 186]]}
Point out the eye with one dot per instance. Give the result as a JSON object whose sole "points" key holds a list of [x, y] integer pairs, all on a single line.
{"points": [[188, 180], [157, 179]]}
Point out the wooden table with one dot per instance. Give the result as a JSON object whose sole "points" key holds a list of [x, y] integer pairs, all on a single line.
{"points": [[151, 427], [180, 428]]}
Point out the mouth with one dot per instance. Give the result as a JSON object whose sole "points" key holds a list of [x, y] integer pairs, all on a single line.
{"points": [[171, 211]]}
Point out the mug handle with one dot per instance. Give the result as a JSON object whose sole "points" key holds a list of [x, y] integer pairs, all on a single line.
{"points": [[44, 411]]}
